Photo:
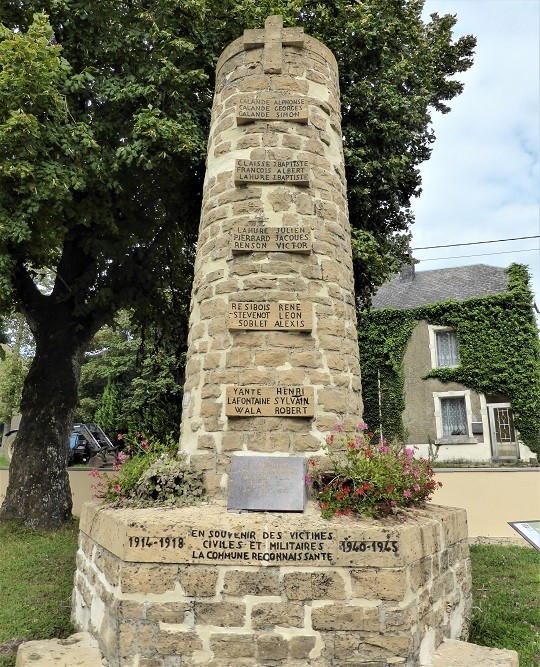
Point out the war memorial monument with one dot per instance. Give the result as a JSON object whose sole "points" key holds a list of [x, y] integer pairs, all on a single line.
{"points": [[255, 576]]}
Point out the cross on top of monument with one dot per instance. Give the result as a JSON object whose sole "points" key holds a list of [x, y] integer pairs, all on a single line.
{"points": [[273, 38]]}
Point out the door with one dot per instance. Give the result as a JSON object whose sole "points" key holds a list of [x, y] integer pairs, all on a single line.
{"points": [[504, 444]]}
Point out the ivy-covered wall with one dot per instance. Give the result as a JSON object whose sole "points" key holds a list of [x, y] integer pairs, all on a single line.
{"points": [[499, 354]]}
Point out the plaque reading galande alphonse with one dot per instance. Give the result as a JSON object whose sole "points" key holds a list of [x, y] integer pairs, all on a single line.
{"points": [[270, 316], [252, 108], [261, 401], [256, 238], [295, 172]]}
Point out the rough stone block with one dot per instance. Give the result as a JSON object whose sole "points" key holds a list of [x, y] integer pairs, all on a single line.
{"points": [[220, 614], [272, 647], [198, 581], [258, 582], [79, 650], [345, 617], [282, 614], [233, 646], [379, 584], [148, 578], [177, 643]]}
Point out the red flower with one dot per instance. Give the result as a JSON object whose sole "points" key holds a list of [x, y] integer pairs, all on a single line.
{"points": [[360, 491], [345, 490], [368, 453], [390, 489]]}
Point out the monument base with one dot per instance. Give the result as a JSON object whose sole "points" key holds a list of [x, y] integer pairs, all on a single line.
{"points": [[204, 586]]}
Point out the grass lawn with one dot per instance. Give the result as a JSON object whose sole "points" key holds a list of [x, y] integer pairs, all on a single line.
{"points": [[506, 600], [36, 578]]}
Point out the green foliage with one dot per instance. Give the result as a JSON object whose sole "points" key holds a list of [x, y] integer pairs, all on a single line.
{"points": [[12, 374], [505, 614], [368, 476], [106, 414], [36, 582], [499, 353], [383, 338], [143, 367], [155, 474]]}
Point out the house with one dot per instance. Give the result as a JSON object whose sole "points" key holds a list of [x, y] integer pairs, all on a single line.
{"points": [[451, 363]]}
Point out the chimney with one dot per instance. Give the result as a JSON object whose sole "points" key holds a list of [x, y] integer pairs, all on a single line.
{"points": [[406, 273]]}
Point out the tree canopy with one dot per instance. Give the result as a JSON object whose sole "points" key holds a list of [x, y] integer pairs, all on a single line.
{"points": [[104, 115]]}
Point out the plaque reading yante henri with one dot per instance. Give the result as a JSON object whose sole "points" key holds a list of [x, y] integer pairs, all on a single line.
{"points": [[249, 109], [252, 238], [261, 401], [295, 172], [267, 483], [257, 315]]}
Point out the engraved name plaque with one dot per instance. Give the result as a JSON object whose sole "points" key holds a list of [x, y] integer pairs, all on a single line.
{"points": [[249, 109], [252, 238], [257, 315], [295, 172], [267, 483], [260, 401]]}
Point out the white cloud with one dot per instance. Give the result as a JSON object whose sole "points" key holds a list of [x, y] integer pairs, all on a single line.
{"points": [[482, 181]]}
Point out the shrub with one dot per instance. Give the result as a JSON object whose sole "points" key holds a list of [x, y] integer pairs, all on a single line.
{"points": [[154, 474], [365, 475]]}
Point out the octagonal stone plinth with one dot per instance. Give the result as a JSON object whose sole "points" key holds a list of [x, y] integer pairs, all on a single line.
{"points": [[192, 586]]}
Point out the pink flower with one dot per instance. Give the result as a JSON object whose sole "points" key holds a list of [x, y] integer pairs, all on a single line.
{"points": [[309, 478], [116, 488], [121, 457], [416, 487], [361, 426], [409, 453], [407, 493], [93, 473], [339, 428]]}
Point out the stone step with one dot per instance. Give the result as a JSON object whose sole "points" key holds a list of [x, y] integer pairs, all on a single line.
{"points": [[79, 650], [454, 653]]}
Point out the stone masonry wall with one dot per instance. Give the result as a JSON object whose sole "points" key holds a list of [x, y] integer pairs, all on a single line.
{"points": [[154, 607], [324, 359]]}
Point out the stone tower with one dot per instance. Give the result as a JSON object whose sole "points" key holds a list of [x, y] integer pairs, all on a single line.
{"points": [[273, 360]]}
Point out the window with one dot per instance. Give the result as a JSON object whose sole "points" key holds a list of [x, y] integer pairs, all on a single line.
{"points": [[447, 348], [454, 416], [443, 344]]}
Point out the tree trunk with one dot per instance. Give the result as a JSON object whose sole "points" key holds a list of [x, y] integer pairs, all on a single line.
{"points": [[39, 494]]}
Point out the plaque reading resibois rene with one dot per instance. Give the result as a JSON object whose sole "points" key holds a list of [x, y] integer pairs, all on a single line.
{"points": [[249, 109], [295, 172], [253, 238], [270, 316], [260, 401]]}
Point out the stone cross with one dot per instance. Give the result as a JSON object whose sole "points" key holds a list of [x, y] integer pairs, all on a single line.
{"points": [[273, 38]]}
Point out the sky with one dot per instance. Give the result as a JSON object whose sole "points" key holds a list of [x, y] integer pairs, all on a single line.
{"points": [[483, 181]]}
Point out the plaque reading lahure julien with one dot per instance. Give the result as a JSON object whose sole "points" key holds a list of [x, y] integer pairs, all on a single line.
{"points": [[253, 238], [261, 401]]}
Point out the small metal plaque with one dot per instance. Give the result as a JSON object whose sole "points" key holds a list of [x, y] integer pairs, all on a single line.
{"points": [[267, 483]]}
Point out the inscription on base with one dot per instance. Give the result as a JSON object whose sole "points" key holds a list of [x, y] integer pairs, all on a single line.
{"points": [[260, 401], [255, 315], [246, 238], [272, 171], [249, 109], [268, 545]]}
